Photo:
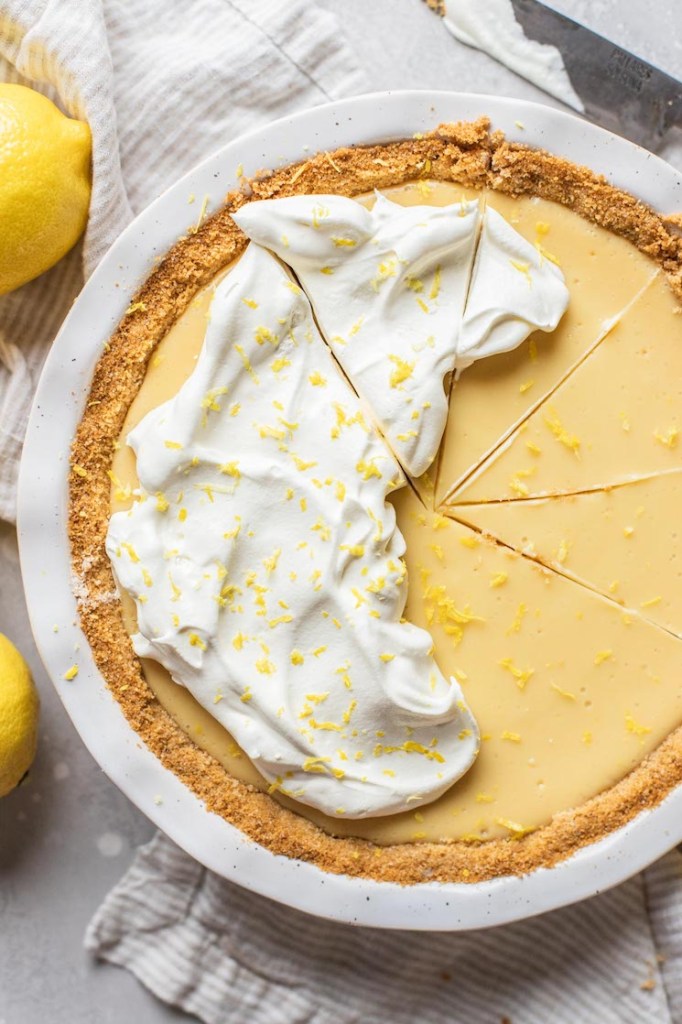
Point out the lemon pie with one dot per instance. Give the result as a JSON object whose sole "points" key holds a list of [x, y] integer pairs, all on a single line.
{"points": [[372, 509]]}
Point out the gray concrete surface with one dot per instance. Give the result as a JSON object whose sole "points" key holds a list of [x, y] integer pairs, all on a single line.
{"points": [[68, 834]]}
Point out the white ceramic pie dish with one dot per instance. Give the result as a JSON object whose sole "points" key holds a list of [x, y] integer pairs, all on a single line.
{"points": [[43, 493]]}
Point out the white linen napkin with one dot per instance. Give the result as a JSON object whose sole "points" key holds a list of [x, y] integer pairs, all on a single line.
{"points": [[228, 957], [162, 83]]}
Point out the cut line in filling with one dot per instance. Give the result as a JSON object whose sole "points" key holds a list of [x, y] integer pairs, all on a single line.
{"points": [[605, 275], [612, 540], [615, 419]]}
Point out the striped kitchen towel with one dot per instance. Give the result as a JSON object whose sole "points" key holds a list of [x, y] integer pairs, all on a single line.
{"points": [[229, 957], [162, 84]]}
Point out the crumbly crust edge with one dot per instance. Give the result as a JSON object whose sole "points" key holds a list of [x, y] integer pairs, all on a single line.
{"points": [[469, 154]]}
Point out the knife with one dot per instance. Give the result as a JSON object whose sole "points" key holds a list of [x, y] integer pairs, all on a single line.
{"points": [[619, 91], [614, 88]]}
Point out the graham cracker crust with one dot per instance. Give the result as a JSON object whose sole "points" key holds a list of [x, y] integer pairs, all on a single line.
{"points": [[469, 154]]}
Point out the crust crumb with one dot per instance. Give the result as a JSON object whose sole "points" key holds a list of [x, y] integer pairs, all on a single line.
{"points": [[436, 5]]}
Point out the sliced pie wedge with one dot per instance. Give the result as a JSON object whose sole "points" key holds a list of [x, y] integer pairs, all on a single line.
{"points": [[603, 273], [615, 541], [388, 287], [570, 691], [405, 295], [616, 418]]}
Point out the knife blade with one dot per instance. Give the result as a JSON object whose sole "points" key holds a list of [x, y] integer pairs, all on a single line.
{"points": [[619, 91]]}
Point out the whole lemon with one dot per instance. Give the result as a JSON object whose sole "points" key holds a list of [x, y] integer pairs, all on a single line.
{"points": [[44, 184], [18, 717]]}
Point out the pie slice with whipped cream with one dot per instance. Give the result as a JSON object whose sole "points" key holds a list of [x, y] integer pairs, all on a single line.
{"points": [[317, 670], [408, 295]]}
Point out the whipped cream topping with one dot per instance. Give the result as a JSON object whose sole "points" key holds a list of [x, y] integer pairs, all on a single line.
{"points": [[266, 568], [388, 287], [490, 25], [515, 289]]}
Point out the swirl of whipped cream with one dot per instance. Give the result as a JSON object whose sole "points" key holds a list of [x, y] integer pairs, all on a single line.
{"points": [[388, 287], [396, 297], [514, 291], [266, 567]]}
